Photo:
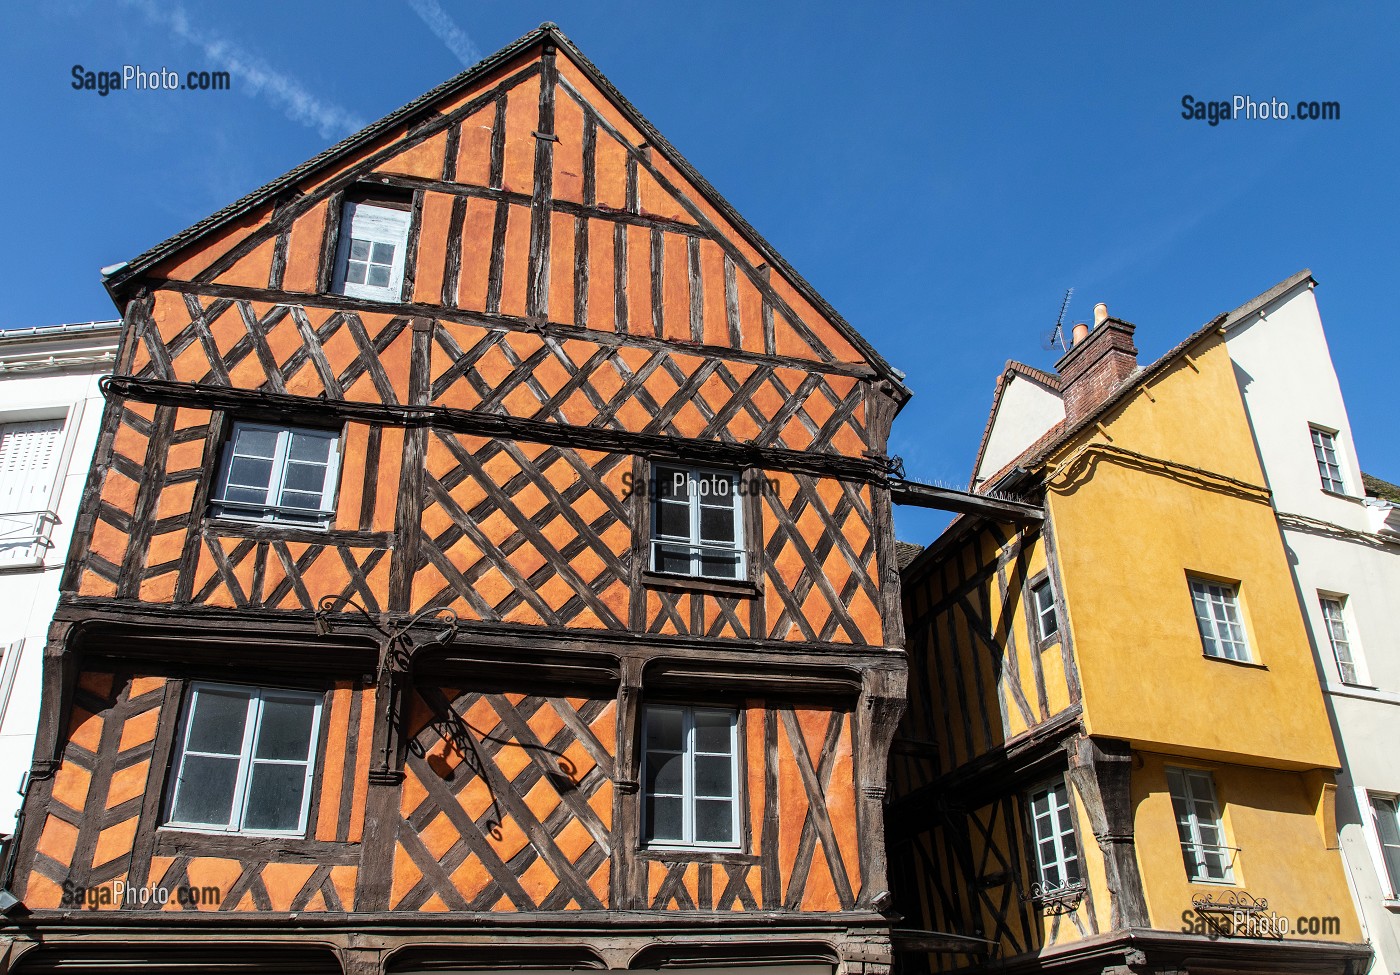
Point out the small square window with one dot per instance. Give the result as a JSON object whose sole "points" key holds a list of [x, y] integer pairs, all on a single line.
{"points": [[1334, 618], [278, 474], [1385, 810], [1328, 466], [1043, 604], [697, 523], [1218, 618], [1199, 826], [690, 778], [371, 251], [1052, 828], [245, 761]]}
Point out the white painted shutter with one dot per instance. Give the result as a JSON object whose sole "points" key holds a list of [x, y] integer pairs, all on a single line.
{"points": [[28, 463]]}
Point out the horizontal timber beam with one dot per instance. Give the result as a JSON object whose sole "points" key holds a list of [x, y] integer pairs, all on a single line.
{"points": [[916, 495], [471, 422]]}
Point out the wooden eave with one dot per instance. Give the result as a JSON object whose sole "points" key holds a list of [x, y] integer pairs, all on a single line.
{"points": [[120, 282]]}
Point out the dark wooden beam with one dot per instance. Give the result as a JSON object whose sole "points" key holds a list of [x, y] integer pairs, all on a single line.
{"points": [[917, 495]]}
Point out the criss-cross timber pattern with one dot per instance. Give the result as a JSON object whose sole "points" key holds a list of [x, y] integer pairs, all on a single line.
{"points": [[289, 349], [524, 533], [578, 381], [143, 513], [651, 389], [95, 806], [821, 574], [242, 573], [506, 803]]}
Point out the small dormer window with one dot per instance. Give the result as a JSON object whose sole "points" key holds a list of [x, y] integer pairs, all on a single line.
{"points": [[373, 246]]}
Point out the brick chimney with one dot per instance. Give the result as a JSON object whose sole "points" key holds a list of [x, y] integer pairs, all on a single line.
{"points": [[1102, 357]]}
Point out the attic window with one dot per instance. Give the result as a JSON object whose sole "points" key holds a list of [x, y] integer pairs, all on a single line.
{"points": [[370, 254]]}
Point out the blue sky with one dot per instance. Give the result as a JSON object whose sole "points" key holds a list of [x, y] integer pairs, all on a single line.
{"points": [[940, 172]]}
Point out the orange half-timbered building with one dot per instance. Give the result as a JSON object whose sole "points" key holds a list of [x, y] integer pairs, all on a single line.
{"points": [[487, 563]]}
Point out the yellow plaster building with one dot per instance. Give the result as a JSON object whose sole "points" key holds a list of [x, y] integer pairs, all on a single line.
{"points": [[1116, 751]]}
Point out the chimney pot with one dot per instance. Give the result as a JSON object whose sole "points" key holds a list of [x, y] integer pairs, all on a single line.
{"points": [[1081, 332], [1100, 313]]}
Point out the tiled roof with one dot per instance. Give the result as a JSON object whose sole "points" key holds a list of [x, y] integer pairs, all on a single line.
{"points": [[904, 553]]}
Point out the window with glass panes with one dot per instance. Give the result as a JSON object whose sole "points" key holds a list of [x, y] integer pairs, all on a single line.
{"points": [[1199, 827], [697, 523], [1386, 812], [1328, 467], [1056, 851], [1333, 617], [691, 792], [1043, 602], [245, 760], [283, 474], [1218, 619], [371, 252]]}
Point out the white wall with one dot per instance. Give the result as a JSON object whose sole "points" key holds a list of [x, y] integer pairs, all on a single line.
{"points": [[1288, 382], [1025, 411], [28, 595]]}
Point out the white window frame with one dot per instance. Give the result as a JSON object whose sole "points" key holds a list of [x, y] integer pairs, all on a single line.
{"points": [[688, 796], [39, 524], [1042, 610], [1045, 828], [270, 511], [1221, 601], [1195, 788], [375, 223], [693, 541], [1340, 634], [1328, 457], [252, 724], [1390, 877]]}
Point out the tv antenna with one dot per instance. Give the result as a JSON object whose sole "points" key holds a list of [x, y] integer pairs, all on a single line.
{"points": [[1055, 337]]}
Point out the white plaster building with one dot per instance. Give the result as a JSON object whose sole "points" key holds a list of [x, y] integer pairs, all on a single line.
{"points": [[1345, 551], [50, 411]]}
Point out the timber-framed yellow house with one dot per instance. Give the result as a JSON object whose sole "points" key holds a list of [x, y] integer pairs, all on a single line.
{"points": [[1116, 757]]}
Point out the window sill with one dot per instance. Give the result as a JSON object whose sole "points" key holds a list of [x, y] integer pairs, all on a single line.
{"points": [[697, 854], [1342, 495], [1391, 904], [184, 841], [285, 531], [724, 587], [1251, 664]]}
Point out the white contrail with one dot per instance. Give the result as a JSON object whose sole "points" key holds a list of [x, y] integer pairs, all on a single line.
{"points": [[254, 75], [445, 29]]}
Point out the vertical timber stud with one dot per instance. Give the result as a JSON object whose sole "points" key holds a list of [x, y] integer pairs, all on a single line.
{"points": [[409, 510], [60, 677], [384, 775], [1101, 770], [537, 306], [629, 879], [880, 412], [882, 699]]}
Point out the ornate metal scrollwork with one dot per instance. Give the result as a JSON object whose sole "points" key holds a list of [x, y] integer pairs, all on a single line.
{"points": [[1053, 901]]}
